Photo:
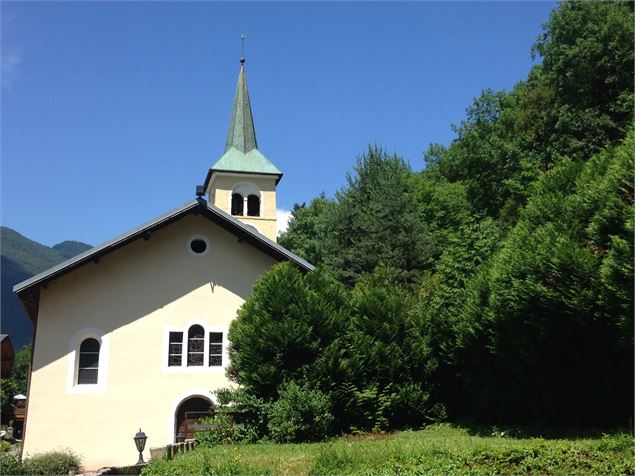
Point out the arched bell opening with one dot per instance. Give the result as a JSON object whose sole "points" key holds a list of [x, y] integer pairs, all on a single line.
{"points": [[237, 204], [253, 206]]}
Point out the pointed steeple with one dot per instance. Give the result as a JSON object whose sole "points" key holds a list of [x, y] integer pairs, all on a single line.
{"points": [[242, 134], [241, 149], [243, 181]]}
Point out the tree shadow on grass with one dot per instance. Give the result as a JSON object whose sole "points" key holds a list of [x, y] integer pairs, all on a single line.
{"points": [[547, 432]]}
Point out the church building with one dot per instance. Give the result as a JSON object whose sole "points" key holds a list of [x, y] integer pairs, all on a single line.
{"points": [[133, 333]]}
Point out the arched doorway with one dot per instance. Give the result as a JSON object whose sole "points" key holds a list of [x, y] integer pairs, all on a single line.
{"points": [[188, 415]]}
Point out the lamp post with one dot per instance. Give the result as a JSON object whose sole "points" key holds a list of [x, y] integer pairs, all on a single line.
{"points": [[140, 442]]}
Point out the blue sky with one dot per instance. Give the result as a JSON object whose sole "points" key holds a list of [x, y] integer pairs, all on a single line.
{"points": [[113, 112]]}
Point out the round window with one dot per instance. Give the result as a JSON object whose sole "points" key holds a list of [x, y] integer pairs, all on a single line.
{"points": [[198, 245]]}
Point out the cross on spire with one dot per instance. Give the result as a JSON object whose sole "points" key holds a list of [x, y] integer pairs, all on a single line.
{"points": [[242, 48]]}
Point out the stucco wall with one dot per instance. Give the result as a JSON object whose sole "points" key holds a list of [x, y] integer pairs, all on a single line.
{"points": [[133, 295], [220, 195]]}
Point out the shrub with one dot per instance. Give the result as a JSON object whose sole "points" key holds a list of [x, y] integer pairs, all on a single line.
{"points": [[300, 414], [4, 446], [10, 464], [223, 431], [59, 462], [246, 409], [240, 418]]}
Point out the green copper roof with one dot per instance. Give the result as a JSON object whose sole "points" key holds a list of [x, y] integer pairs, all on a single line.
{"points": [[241, 149], [253, 162], [242, 134]]}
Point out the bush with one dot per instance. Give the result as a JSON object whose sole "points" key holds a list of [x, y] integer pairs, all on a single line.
{"points": [[240, 418], [4, 446], [11, 464], [247, 410], [223, 431], [59, 462], [300, 414]]}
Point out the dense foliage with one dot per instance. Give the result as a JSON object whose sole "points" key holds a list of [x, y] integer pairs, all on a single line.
{"points": [[16, 383], [496, 285], [59, 462]]}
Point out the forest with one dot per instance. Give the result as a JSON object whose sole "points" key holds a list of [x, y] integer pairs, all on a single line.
{"points": [[493, 286]]}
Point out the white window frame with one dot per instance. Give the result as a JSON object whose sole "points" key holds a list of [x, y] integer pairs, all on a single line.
{"points": [[194, 369], [73, 361]]}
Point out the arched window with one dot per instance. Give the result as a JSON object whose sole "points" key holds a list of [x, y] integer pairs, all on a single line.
{"points": [[253, 206], [195, 346], [88, 368], [237, 204]]}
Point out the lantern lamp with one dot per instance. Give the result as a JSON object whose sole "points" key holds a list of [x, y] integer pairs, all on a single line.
{"points": [[140, 442]]}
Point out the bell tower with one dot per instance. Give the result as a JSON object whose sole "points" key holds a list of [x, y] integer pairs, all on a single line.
{"points": [[243, 181]]}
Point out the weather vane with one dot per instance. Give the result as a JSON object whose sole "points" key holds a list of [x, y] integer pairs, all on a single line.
{"points": [[242, 48]]}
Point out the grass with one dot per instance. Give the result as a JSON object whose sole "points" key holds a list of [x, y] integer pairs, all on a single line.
{"points": [[436, 450]]}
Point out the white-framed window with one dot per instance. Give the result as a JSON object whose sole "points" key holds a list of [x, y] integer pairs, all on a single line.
{"points": [[195, 348], [88, 361], [175, 349], [88, 365]]}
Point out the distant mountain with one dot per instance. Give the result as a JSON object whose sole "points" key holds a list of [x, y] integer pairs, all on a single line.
{"points": [[22, 258], [71, 248]]}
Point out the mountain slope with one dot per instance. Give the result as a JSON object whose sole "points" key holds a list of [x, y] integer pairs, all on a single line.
{"points": [[71, 248], [22, 258]]}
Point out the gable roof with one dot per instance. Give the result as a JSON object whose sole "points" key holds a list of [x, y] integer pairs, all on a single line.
{"points": [[28, 290]]}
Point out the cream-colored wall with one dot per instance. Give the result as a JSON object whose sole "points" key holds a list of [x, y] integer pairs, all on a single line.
{"points": [[220, 191], [133, 294]]}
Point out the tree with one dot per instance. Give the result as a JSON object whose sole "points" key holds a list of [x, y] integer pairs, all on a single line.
{"points": [[376, 222], [587, 51], [443, 207], [386, 360], [309, 229], [283, 329], [574, 104], [556, 303], [16, 382]]}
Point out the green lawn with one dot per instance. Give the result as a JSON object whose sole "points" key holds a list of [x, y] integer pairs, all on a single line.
{"points": [[439, 449]]}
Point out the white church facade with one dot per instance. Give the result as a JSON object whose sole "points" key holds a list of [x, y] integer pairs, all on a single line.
{"points": [[133, 333]]}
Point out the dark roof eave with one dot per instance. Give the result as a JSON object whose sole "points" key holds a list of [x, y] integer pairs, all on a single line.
{"points": [[208, 177]]}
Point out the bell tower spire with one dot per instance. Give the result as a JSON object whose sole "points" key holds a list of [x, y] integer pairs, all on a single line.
{"points": [[242, 133], [243, 181]]}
